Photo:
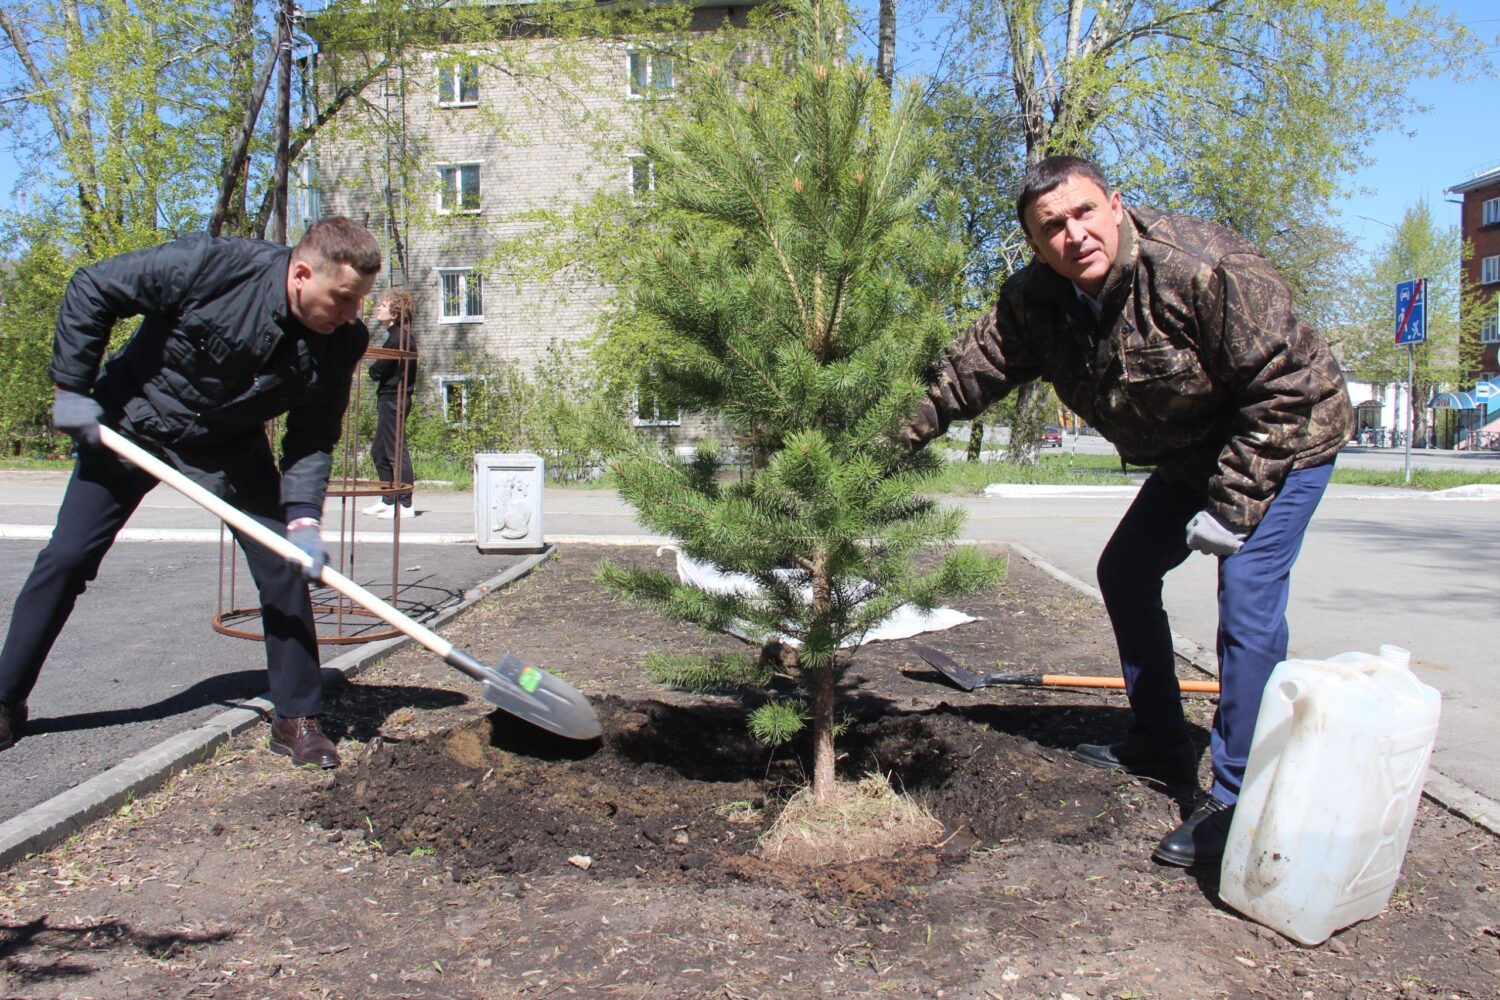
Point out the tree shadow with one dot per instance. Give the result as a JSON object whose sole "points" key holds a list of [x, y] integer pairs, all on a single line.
{"points": [[39, 939]]}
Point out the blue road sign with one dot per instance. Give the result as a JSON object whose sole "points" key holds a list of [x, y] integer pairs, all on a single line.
{"points": [[1411, 311]]}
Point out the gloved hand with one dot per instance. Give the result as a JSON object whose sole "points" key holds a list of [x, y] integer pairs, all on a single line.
{"points": [[1206, 533], [77, 414], [306, 534]]}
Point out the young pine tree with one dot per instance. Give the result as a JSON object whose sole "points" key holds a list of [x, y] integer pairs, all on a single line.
{"points": [[799, 281]]}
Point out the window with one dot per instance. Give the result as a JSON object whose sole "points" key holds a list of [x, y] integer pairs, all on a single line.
{"points": [[651, 410], [1489, 270], [461, 395], [458, 85], [650, 74], [1489, 330], [463, 296], [458, 187], [642, 177], [1491, 212]]}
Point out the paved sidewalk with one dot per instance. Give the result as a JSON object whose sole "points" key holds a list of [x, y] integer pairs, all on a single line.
{"points": [[139, 675]]}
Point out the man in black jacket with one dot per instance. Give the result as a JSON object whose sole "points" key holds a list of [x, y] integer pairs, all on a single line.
{"points": [[233, 333]]}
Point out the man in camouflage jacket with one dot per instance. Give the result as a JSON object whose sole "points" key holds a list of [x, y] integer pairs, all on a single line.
{"points": [[1177, 341]]}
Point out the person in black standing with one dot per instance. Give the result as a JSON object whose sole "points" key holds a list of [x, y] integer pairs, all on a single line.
{"points": [[395, 379], [233, 332]]}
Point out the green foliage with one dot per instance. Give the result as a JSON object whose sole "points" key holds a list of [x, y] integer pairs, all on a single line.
{"points": [[1417, 248], [799, 291], [1250, 112], [553, 410], [777, 723], [708, 675]]}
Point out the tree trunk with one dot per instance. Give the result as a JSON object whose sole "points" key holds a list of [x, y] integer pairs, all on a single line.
{"points": [[820, 683], [820, 686], [885, 61], [283, 120], [1032, 409]]}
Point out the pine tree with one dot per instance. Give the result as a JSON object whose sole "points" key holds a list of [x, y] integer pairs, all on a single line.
{"points": [[801, 281]]}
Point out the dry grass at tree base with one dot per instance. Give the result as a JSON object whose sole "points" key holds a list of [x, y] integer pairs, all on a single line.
{"points": [[856, 822], [445, 859]]}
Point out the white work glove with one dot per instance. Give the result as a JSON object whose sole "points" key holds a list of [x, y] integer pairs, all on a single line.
{"points": [[306, 533], [1206, 533]]}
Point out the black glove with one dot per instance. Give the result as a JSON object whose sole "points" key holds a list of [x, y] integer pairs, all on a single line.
{"points": [[1206, 533], [77, 414], [306, 534]]}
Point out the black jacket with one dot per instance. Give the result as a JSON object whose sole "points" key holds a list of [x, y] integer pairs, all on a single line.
{"points": [[217, 354], [390, 373]]}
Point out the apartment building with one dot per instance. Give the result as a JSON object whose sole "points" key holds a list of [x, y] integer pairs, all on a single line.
{"points": [[1479, 228], [452, 154]]}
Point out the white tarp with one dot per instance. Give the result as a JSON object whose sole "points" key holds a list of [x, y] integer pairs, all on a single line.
{"points": [[906, 622]]}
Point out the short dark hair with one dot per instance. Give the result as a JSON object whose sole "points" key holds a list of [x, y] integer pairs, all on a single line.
{"points": [[337, 240], [1044, 175]]}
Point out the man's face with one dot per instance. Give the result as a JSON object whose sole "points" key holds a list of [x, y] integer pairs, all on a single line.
{"points": [[325, 297], [1075, 230]]}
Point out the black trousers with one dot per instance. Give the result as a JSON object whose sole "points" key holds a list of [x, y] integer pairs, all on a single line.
{"points": [[100, 498], [383, 451]]}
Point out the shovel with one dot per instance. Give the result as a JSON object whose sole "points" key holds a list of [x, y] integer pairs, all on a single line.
{"points": [[512, 685], [969, 680]]}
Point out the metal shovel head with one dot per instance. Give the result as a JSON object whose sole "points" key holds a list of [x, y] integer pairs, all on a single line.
{"points": [[540, 698], [949, 667]]}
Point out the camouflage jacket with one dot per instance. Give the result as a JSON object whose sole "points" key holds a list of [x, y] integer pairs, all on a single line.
{"points": [[1197, 363]]}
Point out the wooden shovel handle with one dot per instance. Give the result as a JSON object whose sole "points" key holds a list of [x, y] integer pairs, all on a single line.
{"points": [[1072, 680]]}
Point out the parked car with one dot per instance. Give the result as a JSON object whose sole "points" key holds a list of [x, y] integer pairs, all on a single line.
{"points": [[1051, 437]]}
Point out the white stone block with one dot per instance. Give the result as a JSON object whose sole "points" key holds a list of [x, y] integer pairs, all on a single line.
{"points": [[508, 502]]}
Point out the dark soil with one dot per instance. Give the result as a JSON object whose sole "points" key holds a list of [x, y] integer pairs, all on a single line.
{"points": [[458, 853]]}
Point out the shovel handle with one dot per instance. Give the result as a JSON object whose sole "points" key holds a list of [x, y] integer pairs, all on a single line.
{"points": [[253, 529], [1075, 680]]}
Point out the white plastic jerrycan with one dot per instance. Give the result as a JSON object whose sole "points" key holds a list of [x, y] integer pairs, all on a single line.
{"points": [[1330, 793]]}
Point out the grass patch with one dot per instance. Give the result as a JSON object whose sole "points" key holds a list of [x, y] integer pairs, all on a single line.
{"points": [[1421, 479], [960, 478]]}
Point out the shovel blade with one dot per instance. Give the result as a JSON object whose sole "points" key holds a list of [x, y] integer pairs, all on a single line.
{"points": [[949, 667], [540, 698]]}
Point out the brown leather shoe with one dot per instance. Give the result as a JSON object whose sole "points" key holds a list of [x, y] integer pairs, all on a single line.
{"points": [[12, 721], [302, 740]]}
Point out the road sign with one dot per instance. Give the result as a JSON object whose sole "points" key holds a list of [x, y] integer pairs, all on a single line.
{"points": [[1411, 311]]}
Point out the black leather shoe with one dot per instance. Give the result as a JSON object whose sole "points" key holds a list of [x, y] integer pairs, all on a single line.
{"points": [[12, 721], [1199, 841], [302, 740], [1174, 763]]}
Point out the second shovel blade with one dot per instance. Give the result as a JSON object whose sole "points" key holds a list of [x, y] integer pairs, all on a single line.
{"points": [[948, 667]]}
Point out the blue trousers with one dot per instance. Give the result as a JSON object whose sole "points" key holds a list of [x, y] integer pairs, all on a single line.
{"points": [[1254, 585], [100, 498]]}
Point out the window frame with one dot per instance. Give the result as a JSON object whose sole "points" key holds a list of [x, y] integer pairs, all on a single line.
{"points": [[459, 166], [465, 295], [1489, 270], [634, 160], [452, 72], [462, 383], [641, 74], [1489, 328], [655, 419], [1489, 211]]}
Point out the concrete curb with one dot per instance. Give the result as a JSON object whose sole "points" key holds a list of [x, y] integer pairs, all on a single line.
{"points": [[1462, 802], [51, 822]]}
